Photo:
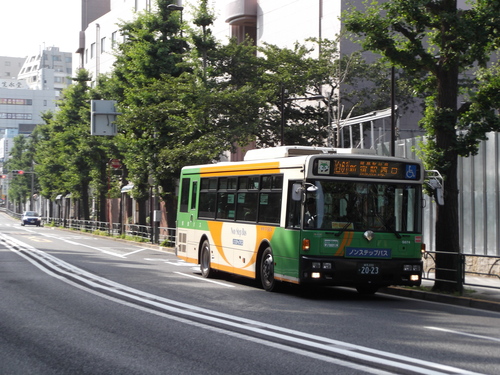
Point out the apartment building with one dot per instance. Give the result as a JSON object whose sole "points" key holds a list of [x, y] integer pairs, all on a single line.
{"points": [[48, 69], [10, 67], [278, 22]]}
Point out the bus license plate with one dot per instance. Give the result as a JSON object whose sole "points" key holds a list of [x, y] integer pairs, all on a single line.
{"points": [[368, 269]]}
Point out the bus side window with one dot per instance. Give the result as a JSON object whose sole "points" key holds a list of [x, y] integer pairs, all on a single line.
{"points": [[208, 198], [183, 207], [194, 195], [247, 207], [270, 208], [293, 209]]}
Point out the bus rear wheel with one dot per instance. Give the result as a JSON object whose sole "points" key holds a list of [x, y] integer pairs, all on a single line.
{"points": [[267, 270], [205, 256]]}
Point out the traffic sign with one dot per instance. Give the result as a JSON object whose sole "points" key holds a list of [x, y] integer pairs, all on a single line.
{"points": [[115, 163]]}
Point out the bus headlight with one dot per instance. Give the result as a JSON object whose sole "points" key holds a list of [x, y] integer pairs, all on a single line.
{"points": [[414, 277], [315, 275]]}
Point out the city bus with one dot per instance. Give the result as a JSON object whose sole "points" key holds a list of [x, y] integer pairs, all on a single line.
{"points": [[305, 215]]}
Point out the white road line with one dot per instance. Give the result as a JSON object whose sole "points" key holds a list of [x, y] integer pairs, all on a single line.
{"points": [[88, 246], [336, 347], [203, 279], [464, 333], [133, 252]]}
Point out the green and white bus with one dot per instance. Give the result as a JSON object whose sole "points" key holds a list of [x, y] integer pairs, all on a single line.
{"points": [[305, 215]]}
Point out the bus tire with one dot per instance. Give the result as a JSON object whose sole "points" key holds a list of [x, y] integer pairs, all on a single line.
{"points": [[205, 256], [266, 270]]}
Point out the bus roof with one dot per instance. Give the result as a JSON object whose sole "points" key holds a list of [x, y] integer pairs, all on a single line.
{"points": [[290, 151]]}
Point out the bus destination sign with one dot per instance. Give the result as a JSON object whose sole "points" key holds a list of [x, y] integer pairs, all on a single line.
{"points": [[383, 169]]}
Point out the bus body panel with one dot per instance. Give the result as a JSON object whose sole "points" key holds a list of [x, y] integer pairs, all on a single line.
{"points": [[344, 255]]}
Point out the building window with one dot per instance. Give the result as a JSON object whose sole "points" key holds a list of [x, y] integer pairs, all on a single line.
{"points": [[114, 40], [68, 59], [92, 50], [103, 44], [56, 58]]}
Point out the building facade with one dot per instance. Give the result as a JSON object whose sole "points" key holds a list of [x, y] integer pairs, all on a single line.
{"points": [[50, 69], [10, 67]]}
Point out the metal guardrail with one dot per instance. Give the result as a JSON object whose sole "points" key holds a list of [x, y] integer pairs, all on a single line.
{"points": [[142, 233], [486, 267]]}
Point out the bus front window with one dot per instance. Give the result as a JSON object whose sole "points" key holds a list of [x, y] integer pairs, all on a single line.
{"points": [[372, 206]]}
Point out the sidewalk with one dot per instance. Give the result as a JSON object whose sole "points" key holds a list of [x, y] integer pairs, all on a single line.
{"points": [[483, 294]]}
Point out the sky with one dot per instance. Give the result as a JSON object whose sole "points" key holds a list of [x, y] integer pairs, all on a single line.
{"points": [[27, 26]]}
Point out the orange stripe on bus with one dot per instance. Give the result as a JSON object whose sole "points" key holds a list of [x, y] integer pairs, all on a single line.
{"points": [[235, 170], [346, 241], [215, 228]]}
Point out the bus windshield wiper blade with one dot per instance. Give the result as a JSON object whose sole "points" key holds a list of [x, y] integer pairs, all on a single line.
{"points": [[343, 229]]}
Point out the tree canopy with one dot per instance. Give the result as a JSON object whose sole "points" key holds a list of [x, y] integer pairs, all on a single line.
{"points": [[441, 47]]}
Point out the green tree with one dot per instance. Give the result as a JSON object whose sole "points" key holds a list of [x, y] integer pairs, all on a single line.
{"points": [[20, 185], [344, 84], [188, 109], [68, 159], [436, 43]]}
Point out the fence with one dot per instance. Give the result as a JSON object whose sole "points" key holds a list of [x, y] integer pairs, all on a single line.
{"points": [[486, 267], [142, 233]]}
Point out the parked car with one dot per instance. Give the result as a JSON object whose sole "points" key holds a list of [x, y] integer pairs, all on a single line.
{"points": [[31, 218]]}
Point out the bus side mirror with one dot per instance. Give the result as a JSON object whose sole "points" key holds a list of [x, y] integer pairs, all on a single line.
{"points": [[297, 192], [439, 196], [436, 183]]}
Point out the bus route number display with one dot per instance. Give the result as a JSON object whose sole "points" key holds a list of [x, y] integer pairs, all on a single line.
{"points": [[393, 170]]}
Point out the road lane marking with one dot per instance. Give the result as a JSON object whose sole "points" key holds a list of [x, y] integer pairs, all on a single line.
{"points": [[257, 331], [203, 279], [464, 334], [136, 251]]}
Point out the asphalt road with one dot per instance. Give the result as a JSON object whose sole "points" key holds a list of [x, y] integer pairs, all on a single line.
{"points": [[78, 304]]}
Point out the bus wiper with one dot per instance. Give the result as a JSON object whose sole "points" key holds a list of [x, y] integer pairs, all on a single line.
{"points": [[388, 227], [396, 233], [343, 229]]}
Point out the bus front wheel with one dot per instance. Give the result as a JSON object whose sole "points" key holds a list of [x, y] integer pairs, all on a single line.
{"points": [[267, 270], [205, 256]]}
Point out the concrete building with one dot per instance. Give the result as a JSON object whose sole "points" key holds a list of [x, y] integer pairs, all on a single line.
{"points": [[278, 22], [21, 108], [50, 69], [10, 67]]}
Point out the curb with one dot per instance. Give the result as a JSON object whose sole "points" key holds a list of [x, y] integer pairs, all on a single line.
{"points": [[443, 298]]}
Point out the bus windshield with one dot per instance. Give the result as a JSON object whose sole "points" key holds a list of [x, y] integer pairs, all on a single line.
{"points": [[343, 206]]}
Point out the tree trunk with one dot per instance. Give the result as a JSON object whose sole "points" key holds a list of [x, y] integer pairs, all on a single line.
{"points": [[448, 272], [142, 206], [85, 202]]}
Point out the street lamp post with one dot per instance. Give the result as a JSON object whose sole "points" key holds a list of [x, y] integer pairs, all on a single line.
{"points": [[174, 7]]}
